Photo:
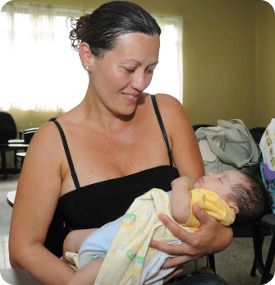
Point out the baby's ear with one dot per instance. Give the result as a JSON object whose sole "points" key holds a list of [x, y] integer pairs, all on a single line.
{"points": [[234, 208]]}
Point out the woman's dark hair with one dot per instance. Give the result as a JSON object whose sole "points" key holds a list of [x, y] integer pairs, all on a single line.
{"points": [[103, 26]]}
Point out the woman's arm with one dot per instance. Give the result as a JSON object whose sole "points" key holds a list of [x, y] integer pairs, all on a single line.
{"points": [[37, 195], [211, 237]]}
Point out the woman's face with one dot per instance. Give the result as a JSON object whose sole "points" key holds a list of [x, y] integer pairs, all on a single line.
{"points": [[122, 74]]}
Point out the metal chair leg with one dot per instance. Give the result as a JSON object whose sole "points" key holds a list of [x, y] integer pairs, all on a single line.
{"points": [[211, 259], [258, 240], [266, 273], [4, 164]]}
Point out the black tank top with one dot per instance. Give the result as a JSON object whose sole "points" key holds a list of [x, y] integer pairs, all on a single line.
{"points": [[93, 205]]}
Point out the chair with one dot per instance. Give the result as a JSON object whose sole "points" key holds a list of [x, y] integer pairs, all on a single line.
{"points": [[254, 230], [8, 132], [195, 127], [268, 221], [257, 233], [257, 134], [8, 128], [28, 134]]}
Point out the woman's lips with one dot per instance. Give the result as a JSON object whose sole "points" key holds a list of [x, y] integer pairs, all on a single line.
{"points": [[131, 98]]}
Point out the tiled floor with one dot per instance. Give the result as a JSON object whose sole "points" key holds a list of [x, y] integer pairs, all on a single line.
{"points": [[233, 264]]}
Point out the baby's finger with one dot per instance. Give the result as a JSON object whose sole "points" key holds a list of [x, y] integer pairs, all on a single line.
{"points": [[169, 249], [178, 260], [173, 274]]}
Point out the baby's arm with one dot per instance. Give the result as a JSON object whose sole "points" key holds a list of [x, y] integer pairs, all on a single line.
{"points": [[87, 274], [74, 240], [180, 199]]}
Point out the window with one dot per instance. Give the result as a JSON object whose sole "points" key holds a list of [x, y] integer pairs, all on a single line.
{"points": [[40, 71], [168, 76]]}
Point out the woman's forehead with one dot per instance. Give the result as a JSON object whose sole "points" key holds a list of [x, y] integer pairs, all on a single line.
{"points": [[136, 46]]}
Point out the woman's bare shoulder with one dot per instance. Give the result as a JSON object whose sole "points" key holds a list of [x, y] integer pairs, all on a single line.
{"points": [[168, 102], [174, 117], [46, 140], [170, 107], [46, 132]]}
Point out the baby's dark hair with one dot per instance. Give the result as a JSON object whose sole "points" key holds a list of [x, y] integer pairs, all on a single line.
{"points": [[103, 26], [251, 198]]}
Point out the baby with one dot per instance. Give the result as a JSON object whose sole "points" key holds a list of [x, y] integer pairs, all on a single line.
{"points": [[226, 196]]}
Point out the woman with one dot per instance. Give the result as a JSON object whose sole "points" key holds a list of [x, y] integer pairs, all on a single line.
{"points": [[107, 150]]}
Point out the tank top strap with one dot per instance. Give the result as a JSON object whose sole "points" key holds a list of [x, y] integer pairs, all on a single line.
{"points": [[68, 155], [162, 128]]}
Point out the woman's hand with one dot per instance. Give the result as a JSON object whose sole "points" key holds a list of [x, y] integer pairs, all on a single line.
{"points": [[211, 237]]}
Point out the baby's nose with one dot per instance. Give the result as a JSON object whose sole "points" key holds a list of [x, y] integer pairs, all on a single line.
{"points": [[211, 174]]}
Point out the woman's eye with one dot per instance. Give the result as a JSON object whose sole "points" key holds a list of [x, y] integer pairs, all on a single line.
{"points": [[150, 71], [129, 70]]}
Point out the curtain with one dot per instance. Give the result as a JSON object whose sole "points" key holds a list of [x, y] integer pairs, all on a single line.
{"points": [[168, 76], [39, 70]]}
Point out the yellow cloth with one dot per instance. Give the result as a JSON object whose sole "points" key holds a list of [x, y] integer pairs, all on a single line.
{"points": [[130, 251], [213, 205]]}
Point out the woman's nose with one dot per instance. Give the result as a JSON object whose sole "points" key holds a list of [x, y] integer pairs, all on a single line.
{"points": [[140, 81]]}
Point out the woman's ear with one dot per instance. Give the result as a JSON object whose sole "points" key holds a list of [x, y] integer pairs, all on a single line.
{"points": [[85, 55]]}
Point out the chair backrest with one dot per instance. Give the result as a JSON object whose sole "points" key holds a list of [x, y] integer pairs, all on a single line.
{"points": [[257, 134], [8, 129], [197, 126], [28, 134]]}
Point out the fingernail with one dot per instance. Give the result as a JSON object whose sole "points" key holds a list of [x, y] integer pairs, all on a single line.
{"points": [[161, 216]]}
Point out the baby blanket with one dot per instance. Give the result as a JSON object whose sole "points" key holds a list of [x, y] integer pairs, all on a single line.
{"points": [[130, 252]]}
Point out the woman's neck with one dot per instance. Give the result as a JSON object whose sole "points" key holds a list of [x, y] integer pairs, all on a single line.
{"points": [[103, 118]]}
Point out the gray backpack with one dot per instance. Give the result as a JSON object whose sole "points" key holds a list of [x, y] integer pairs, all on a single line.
{"points": [[229, 145]]}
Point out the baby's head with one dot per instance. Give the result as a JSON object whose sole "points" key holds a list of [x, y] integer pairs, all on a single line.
{"points": [[244, 194]]}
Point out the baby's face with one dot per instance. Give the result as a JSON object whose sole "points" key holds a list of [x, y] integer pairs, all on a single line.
{"points": [[220, 183]]}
